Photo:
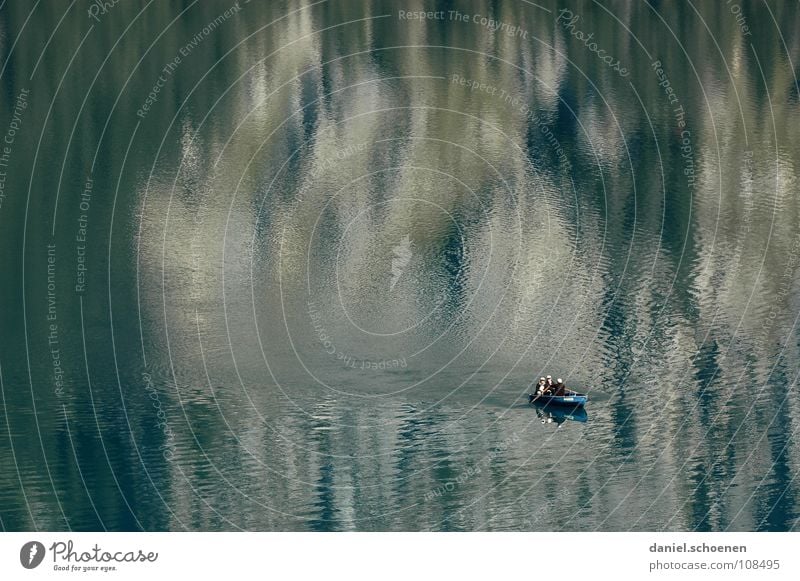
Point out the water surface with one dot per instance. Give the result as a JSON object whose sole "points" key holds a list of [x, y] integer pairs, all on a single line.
{"points": [[294, 266]]}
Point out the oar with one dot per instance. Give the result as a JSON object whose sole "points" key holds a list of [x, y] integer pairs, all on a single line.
{"points": [[537, 396]]}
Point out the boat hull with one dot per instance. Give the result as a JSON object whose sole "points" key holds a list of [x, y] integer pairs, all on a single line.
{"points": [[574, 399]]}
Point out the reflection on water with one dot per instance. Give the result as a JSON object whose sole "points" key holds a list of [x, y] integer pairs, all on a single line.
{"points": [[559, 414], [323, 269]]}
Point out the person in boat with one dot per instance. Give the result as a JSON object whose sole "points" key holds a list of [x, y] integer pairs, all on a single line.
{"points": [[560, 388], [540, 387], [548, 385]]}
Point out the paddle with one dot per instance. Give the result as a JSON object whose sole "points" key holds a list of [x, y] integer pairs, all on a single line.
{"points": [[532, 398]]}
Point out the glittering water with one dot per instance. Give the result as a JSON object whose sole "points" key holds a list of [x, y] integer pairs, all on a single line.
{"points": [[294, 267]]}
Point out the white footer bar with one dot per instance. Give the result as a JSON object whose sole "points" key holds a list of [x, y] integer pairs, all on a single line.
{"points": [[386, 556]]}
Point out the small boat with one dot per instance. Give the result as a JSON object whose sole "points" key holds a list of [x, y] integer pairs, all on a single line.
{"points": [[571, 398]]}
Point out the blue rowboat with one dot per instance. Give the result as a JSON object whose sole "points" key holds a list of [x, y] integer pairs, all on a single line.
{"points": [[570, 399]]}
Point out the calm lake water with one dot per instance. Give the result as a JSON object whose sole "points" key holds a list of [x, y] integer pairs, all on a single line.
{"points": [[294, 265]]}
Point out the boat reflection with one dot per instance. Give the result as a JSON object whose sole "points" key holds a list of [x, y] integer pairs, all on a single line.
{"points": [[555, 414]]}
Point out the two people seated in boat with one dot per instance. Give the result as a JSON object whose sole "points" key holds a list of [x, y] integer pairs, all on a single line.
{"points": [[547, 386]]}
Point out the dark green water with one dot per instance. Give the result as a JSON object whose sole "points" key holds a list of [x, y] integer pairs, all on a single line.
{"points": [[293, 266]]}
